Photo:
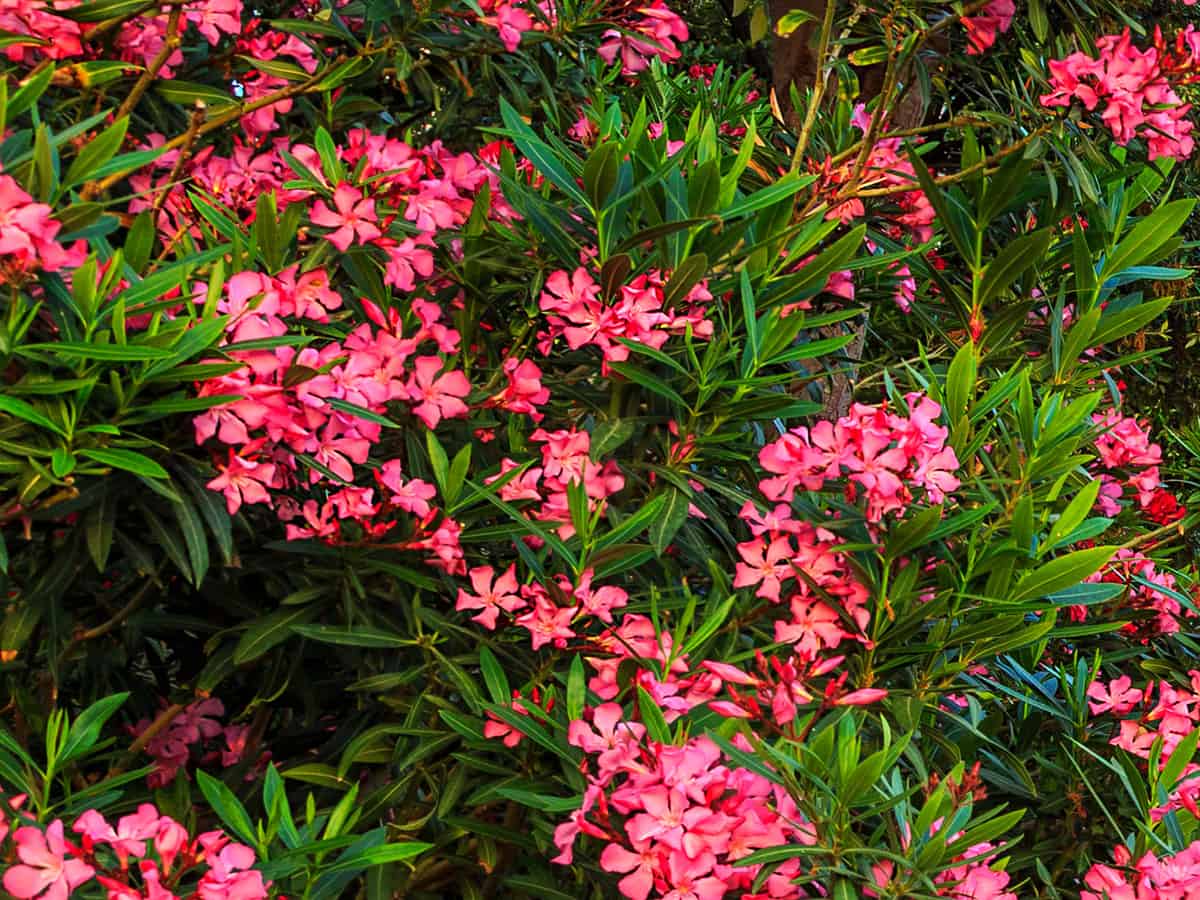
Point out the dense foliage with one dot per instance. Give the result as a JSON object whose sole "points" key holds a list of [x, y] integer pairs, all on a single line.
{"points": [[492, 449]]}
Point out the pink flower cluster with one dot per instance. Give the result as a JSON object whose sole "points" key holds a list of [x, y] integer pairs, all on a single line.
{"points": [[27, 236], [511, 20], [663, 670], [778, 688], [676, 819], [187, 735], [972, 879], [266, 46], [993, 20], [912, 218], [576, 312], [884, 454], [51, 865], [884, 168], [431, 188], [566, 459], [1146, 589], [53, 36], [1152, 877], [1124, 446], [142, 38], [797, 562], [1134, 89], [649, 32], [1174, 714], [283, 416], [549, 613]]}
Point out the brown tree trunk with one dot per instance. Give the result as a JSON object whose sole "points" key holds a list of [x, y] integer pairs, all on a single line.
{"points": [[794, 61], [794, 58]]}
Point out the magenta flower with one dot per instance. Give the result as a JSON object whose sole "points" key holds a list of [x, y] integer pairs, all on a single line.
{"points": [[353, 221], [491, 595], [547, 623], [437, 397], [45, 871]]}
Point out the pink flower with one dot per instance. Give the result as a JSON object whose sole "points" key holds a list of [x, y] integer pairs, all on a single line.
{"points": [[407, 260], [437, 397], [641, 864], [995, 18], [1118, 698], [612, 738], [490, 595], [548, 623], [229, 876], [243, 481], [44, 871], [130, 836], [511, 22], [861, 697], [353, 220], [27, 232]]}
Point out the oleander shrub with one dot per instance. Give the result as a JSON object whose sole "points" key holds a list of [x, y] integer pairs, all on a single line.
{"points": [[489, 449]]}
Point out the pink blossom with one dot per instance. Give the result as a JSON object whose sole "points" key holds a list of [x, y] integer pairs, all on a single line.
{"points": [[491, 595], [437, 397], [548, 623], [354, 218], [45, 871], [994, 19]]}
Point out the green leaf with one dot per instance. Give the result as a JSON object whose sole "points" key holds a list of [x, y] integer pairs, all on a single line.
{"points": [[652, 717], [377, 856], [576, 688], [1116, 325], [270, 631], [350, 636], [1062, 572], [1144, 239], [85, 730], [30, 414], [1075, 512], [912, 532], [960, 382], [1011, 262], [669, 520], [105, 352], [127, 460], [787, 186], [194, 538], [227, 807], [791, 20], [98, 151], [608, 436], [186, 93], [360, 412], [540, 154], [494, 677], [652, 383]]}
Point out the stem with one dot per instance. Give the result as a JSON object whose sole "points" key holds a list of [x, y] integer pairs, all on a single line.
{"points": [[308, 86], [814, 105], [160, 723], [100, 630], [198, 116], [984, 166], [170, 45]]}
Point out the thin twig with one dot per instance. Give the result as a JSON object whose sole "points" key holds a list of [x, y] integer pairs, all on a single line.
{"points": [[100, 630], [160, 723], [242, 109], [982, 167], [198, 116], [170, 45], [818, 91]]}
